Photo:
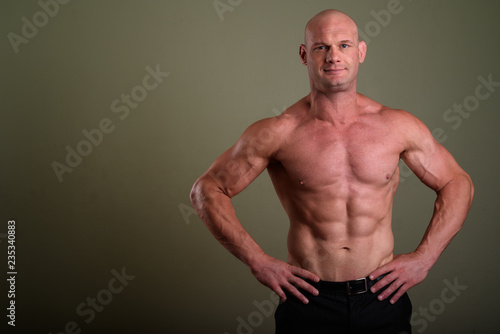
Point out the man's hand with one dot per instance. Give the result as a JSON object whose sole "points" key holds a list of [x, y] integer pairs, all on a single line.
{"points": [[403, 272], [279, 276]]}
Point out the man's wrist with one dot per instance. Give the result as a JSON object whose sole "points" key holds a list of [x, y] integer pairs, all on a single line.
{"points": [[255, 261], [427, 258]]}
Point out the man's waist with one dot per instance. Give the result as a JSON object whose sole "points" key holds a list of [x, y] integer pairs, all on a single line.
{"points": [[351, 287]]}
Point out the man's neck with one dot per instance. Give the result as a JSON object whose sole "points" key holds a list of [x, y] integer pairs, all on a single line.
{"points": [[336, 107]]}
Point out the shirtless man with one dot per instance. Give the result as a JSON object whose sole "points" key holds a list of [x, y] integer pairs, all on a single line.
{"points": [[333, 159]]}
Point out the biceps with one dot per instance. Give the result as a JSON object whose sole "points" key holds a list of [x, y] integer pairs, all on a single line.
{"points": [[235, 169], [433, 165]]}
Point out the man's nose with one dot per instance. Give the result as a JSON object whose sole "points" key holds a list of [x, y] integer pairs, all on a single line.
{"points": [[332, 56]]}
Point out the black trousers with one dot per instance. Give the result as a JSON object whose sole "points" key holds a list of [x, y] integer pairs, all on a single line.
{"points": [[335, 312]]}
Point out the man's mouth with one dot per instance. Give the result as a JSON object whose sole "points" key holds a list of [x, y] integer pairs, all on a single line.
{"points": [[333, 70]]}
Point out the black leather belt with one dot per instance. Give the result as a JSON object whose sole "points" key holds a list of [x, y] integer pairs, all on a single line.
{"points": [[354, 287]]}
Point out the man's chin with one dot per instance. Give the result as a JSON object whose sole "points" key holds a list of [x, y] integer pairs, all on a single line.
{"points": [[336, 86]]}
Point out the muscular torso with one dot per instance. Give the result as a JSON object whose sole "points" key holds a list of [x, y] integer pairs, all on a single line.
{"points": [[337, 182]]}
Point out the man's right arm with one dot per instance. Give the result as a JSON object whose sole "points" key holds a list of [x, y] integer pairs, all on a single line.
{"points": [[211, 197]]}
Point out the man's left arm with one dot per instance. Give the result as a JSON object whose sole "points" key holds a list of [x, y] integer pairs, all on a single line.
{"points": [[437, 169]]}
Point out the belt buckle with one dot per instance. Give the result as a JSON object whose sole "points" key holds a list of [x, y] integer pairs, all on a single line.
{"points": [[348, 285]]}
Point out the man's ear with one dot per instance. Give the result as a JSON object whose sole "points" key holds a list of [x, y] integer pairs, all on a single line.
{"points": [[303, 54], [362, 51]]}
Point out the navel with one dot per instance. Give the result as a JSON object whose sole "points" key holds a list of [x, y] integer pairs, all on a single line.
{"points": [[301, 182]]}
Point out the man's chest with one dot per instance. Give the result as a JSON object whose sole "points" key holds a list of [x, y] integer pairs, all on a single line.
{"points": [[361, 153]]}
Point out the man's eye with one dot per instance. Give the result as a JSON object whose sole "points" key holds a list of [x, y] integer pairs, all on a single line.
{"points": [[322, 47], [344, 46]]}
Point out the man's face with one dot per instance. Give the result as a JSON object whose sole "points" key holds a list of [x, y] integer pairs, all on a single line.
{"points": [[332, 53]]}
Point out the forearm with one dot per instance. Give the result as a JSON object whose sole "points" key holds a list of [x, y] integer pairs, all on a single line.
{"points": [[450, 210], [217, 212]]}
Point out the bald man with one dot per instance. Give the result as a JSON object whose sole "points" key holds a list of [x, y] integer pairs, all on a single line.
{"points": [[333, 159]]}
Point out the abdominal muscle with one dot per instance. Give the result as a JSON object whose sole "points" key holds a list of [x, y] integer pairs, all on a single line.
{"points": [[346, 256], [339, 239]]}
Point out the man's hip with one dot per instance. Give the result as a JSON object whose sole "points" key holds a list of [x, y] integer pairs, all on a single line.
{"points": [[343, 307]]}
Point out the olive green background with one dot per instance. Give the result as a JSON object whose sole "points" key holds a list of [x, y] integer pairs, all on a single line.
{"points": [[126, 205]]}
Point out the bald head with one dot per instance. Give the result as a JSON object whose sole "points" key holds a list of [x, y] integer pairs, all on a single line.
{"points": [[331, 19], [332, 51]]}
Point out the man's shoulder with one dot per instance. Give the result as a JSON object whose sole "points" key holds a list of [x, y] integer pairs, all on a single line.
{"points": [[283, 123], [388, 113], [403, 125]]}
